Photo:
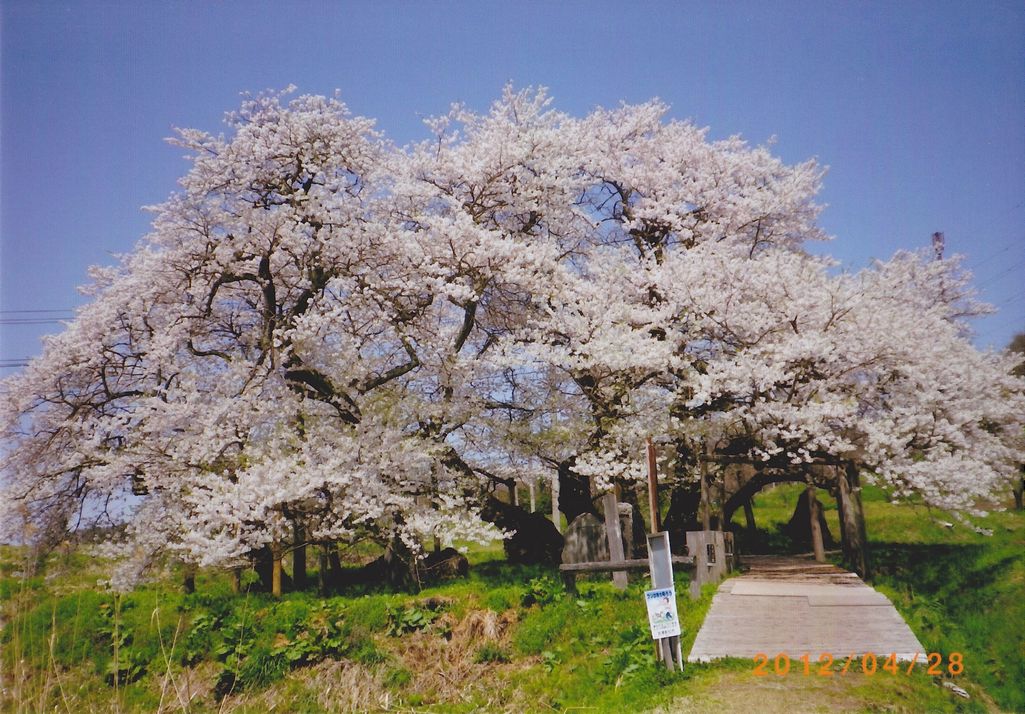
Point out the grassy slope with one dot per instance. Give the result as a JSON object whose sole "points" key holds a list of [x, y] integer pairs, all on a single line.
{"points": [[483, 648]]}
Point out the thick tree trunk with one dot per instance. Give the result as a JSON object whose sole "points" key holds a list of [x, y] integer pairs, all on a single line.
{"points": [[800, 527], [1019, 493], [535, 539], [235, 577], [816, 520], [682, 516], [299, 558], [399, 565], [852, 520], [574, 492]]}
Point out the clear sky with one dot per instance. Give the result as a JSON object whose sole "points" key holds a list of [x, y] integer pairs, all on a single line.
{"points": [[918, 108]]}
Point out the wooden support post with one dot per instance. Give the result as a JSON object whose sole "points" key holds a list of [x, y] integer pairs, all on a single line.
{"points": [[749, 515], [656, 524], [556, 515], [323, 570], [275, 580], [569, 580], [615, 536], [815, 513], [705, 506], [299, 557]]}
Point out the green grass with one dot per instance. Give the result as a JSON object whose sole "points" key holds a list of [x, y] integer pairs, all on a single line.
{"points": [[505, 638]]}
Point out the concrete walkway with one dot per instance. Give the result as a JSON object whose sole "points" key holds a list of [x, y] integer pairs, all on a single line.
{"points": [[796, 606]]}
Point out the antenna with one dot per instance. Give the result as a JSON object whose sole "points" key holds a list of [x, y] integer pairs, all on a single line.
{"points": [[938, 242]]}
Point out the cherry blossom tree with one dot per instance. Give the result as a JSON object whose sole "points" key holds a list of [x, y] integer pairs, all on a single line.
{"points": [[327, 338]]}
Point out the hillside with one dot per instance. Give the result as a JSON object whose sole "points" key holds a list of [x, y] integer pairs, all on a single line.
{"points": [[505, 638]]}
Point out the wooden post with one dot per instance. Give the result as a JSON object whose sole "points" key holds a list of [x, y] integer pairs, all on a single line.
{"points": [[656, 524], [660, 567], [299, 557], [815, 511], [533, 496], [323, 574], [705, 516], [556, 516], [275, 578], [615, 536]]}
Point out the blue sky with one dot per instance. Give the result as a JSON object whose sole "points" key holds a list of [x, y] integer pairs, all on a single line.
{"points": [[918, 108]]}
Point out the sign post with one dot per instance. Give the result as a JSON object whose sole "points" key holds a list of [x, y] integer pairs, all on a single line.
{"points": [[663, 616]]}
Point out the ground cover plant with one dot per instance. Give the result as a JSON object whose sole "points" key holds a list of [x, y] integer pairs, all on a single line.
{"points": [[504, 638]]}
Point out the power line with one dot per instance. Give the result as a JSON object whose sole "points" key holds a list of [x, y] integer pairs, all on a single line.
{"points": [[32, 321], [19, 312], [993, 278], [1013, 298], [983, 261]]}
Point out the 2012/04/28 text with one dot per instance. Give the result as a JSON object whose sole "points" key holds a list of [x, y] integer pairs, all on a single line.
{"points": [[781, 665]]}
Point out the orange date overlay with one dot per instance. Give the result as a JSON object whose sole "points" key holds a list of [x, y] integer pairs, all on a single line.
{"points": [[781, 665]]}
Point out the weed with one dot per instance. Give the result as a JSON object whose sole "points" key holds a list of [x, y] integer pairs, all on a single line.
{"points": [[541, 591], [632, 653], [403, 619], [491, 652]]}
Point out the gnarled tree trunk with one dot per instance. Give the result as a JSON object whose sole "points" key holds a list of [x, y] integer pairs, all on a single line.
{"points": [[852, 519], [535, 540], [801, 527], [574, 492]]}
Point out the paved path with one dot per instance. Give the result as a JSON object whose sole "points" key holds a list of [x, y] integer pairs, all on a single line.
{"points": [[797, 606]]}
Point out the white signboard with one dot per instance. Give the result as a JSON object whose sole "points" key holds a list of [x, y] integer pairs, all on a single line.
{"points": [[662, 615]]}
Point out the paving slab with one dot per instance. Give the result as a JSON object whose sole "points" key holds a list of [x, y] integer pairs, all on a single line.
{"points": [[797, 607]]}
